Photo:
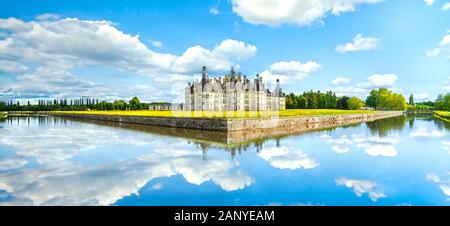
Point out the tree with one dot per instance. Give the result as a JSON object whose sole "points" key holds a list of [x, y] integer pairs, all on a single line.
{"points": [[354, 103], [443, 102], [342, 103], [373, 99], [302, 102], [411, 100], [135, 104], [384, 99]]}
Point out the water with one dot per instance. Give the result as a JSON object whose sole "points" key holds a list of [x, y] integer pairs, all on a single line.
{"points": [[53, 161]]}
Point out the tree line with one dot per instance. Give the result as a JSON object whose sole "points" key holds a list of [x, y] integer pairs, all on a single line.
{"points": [[378, 99], [74, 105]]}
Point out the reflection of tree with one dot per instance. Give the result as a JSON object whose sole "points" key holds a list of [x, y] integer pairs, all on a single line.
{"points": [[411, 121], [442, 124], [384, 126]]}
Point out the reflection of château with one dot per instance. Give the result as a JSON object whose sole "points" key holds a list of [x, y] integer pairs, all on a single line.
{"points": [[237, 149], [232, 93]]}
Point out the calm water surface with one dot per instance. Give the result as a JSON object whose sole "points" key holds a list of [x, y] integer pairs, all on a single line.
{"points": [[52, 161]]}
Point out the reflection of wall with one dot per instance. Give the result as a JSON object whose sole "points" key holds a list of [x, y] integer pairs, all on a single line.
{"points": [[262, 128]]}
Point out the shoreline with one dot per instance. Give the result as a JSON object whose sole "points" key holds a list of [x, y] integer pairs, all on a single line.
{"points": [[258, 127]]}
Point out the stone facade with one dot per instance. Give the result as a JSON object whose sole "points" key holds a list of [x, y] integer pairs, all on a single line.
{"points": [[232, 93]]}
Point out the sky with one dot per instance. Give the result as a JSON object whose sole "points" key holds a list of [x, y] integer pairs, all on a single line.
{"points": [[151, 49]]}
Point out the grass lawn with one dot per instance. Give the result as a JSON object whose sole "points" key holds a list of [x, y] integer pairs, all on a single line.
{"points": [[442, 115], [2, 115], [227, 114]]}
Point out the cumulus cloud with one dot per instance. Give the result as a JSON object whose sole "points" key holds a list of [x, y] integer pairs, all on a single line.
{"points": [[359, 43], [156, 43], [443, 46], [361, 187], [340, 81], [48, 16], [433, 53], [214, 11], [12, 67], [446, 6], [69, 43], [362, 88], [285, 158], [289, 70], [299, 12], [429, 2], [422, 96], [379, 80]]}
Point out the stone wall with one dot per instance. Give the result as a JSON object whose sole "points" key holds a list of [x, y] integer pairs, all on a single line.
{"points": [[274, 126]]}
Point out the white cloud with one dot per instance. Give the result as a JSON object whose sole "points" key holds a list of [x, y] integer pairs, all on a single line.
{"points": [[433, 53], [157, 44], [12, 67], [445, 40], [422, 96], [217, 59], [350, 91], [214, 11], [361, 187], [443, 45], [157, 186], [433, 177], [10, 163], [48, 16], [230, 48], [446, 6], [359, 43], [299, 12], [362, 88], [284, 158], [379, 80], [68, 43], [429, 2], [340, 81], [289, 70]]}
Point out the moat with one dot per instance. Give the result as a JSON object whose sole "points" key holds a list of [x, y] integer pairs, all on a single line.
{"points": [[58, 161]]}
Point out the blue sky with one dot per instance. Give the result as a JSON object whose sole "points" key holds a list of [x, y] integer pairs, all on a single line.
{"points": [[118, 49]]}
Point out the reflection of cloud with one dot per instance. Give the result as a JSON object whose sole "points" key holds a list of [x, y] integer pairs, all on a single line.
{"points": [[433, 177], [446, 146], [157, 186], [57, 180], [422, 132], [341, 149], [362, 186], [379, 150], [373, 146], [444, 185], [284, 158], [12, 163], [59, 144]]}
